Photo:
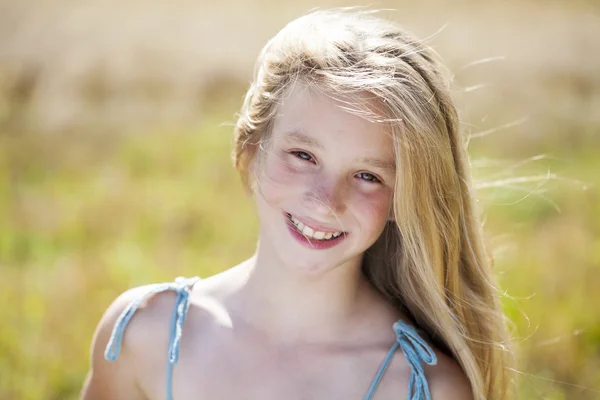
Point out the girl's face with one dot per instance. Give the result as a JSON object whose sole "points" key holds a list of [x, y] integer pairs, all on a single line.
{"points": [[324, 185]]}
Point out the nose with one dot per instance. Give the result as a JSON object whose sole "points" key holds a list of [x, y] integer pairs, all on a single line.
{"points": [[326, 197]]}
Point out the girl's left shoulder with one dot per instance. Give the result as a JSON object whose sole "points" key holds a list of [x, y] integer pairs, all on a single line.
{"points": [[447, 380]]}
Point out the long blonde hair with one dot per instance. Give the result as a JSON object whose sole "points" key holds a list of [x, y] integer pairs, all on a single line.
{"points": [[430, 260]]}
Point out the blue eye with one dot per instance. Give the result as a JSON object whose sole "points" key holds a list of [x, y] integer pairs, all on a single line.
{"points": [[365, 176], [303, 155]]}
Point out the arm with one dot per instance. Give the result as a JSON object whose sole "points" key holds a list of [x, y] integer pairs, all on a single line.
{"points": [[113, 380]]}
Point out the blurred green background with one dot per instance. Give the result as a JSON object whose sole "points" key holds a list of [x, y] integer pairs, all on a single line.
{"points": [[115, 171]]}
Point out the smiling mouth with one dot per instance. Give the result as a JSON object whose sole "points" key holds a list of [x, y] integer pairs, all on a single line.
{"points": [[311, 233]]}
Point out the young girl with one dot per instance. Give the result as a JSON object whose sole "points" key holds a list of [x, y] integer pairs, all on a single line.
{"points": [[370, 279]]}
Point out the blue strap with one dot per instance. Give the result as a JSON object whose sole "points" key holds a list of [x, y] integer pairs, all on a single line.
{"points": [[416, 351], [182, 287]]}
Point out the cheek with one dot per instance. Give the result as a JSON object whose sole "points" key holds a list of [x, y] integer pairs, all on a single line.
{"points": [[278, 178], [277, 170], [373, 208]]}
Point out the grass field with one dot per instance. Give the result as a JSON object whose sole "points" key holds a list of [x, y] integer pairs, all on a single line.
{"points": [[115, 167]]}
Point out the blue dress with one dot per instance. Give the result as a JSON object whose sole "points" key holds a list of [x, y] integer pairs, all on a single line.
{"points": [[415, 349]]}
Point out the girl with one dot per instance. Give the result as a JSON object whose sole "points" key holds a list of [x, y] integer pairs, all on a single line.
{"points": [[370, 278]]}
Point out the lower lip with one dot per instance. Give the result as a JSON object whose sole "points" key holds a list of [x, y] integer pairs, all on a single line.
{"points": [[314, 243]]}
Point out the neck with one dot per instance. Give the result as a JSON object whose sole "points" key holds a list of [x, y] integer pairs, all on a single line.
{"points": [[289, 305]]}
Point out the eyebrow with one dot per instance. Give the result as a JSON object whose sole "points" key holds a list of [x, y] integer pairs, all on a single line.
{"points": [[387, 166], [301, 138]]}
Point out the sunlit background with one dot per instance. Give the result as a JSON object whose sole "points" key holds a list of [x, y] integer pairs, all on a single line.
{"points": [[115, 171]]}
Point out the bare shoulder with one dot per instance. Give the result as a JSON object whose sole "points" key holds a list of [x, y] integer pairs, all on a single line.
{"points": [[144, 343], [447, 381]]}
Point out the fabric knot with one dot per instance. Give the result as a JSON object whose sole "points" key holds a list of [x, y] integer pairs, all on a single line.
{"points": [[416, 351], [186, 283], [182, 306]]}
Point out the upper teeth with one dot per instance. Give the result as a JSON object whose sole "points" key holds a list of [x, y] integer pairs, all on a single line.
{"points": [[312, 233]]}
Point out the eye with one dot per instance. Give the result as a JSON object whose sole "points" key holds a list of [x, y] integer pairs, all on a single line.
{"points": [[303, 155], [368, 177]]}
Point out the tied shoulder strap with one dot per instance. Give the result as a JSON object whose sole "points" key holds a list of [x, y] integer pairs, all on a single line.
{"points": [[182, 287], [416, 351]]}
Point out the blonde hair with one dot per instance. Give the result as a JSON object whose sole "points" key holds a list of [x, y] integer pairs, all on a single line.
{"points": [[430, 260]]}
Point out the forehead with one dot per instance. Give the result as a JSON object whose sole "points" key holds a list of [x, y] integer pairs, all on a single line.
{"points": [[344, 122]]}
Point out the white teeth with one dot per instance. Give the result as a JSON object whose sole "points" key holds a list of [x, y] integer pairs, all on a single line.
{"points": [[311, 233], [308, 231]]}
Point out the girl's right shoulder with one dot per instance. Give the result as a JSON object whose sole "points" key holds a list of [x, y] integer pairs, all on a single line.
{"points": [[133, 335]]}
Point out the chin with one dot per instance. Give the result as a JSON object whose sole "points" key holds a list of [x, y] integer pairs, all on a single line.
{"points": [[309, 263], [307, 267], [306, 257]]}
